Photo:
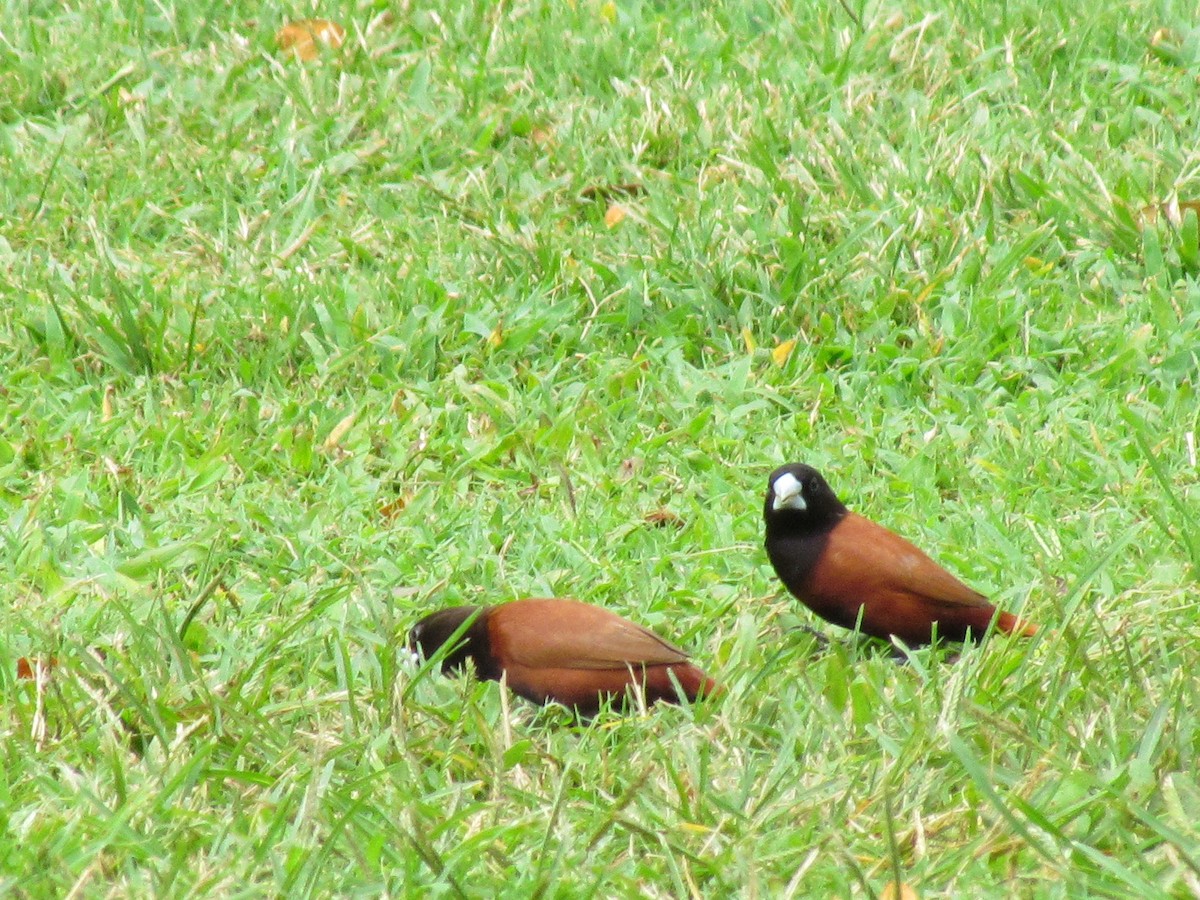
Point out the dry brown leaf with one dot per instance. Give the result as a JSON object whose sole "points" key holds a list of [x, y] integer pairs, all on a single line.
{"points": [[339, 432], [615, 215], [305, 38], [630, 467], [1173, 211], [393, 508], [27, 668], [1177, 209], [115, 469], [661, 518], [608, 191]]}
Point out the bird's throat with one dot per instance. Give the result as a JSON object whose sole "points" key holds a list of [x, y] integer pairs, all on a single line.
{"points": [[795, 555]]}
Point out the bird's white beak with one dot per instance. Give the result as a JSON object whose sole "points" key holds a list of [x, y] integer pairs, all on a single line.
{"points": [[409, 658], [789, 493]]}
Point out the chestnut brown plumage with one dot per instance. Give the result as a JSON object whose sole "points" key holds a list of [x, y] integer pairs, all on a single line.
{"points": [[840, 564], [562, 651]]}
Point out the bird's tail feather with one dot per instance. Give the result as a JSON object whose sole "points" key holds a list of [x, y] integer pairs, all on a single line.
{"points": [[1010, 624]]}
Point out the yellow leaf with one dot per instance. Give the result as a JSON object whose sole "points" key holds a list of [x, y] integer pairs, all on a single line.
{"points": [[893, 891], [988, 466], [781, 353], [748, 338], [305, 37], [497, 335], [1163, 36], [615, 215], [608, 12], [106, 405], [339, 432], [1037, 265]]}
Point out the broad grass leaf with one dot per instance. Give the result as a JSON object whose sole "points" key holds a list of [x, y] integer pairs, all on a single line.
{"points": [[155, 559]]}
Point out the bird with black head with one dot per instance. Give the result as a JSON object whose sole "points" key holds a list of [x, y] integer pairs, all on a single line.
{"points": [[855, 573], [562, 651]]}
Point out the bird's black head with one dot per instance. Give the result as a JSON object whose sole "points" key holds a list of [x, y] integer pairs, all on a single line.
{"points": [[799, 499], [428, 635]]}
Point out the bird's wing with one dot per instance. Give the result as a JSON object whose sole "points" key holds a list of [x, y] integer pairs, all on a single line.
{"points": [[567, 634], [881, 558]]}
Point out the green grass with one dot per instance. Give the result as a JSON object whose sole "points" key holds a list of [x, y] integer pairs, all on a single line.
{"points": [[212, 257]]}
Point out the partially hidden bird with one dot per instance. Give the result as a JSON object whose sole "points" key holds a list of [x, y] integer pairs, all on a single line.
{"points": [[855, 573], [563, 651]]}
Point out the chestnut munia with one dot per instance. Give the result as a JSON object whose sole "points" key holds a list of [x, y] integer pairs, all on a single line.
{"points": [[843, 566], [564, 651]]}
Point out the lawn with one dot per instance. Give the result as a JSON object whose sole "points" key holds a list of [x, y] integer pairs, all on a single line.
{"points": [[527, 299]]}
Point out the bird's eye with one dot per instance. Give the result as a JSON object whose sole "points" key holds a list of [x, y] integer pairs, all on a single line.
{"points": [[812, 485]]}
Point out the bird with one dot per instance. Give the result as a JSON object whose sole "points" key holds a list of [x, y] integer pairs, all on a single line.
{"points": [[857, 574], [559, 650]]}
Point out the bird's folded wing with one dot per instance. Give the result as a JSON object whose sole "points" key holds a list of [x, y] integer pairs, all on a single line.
{"points": [[877, 554], [570, 635]]}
